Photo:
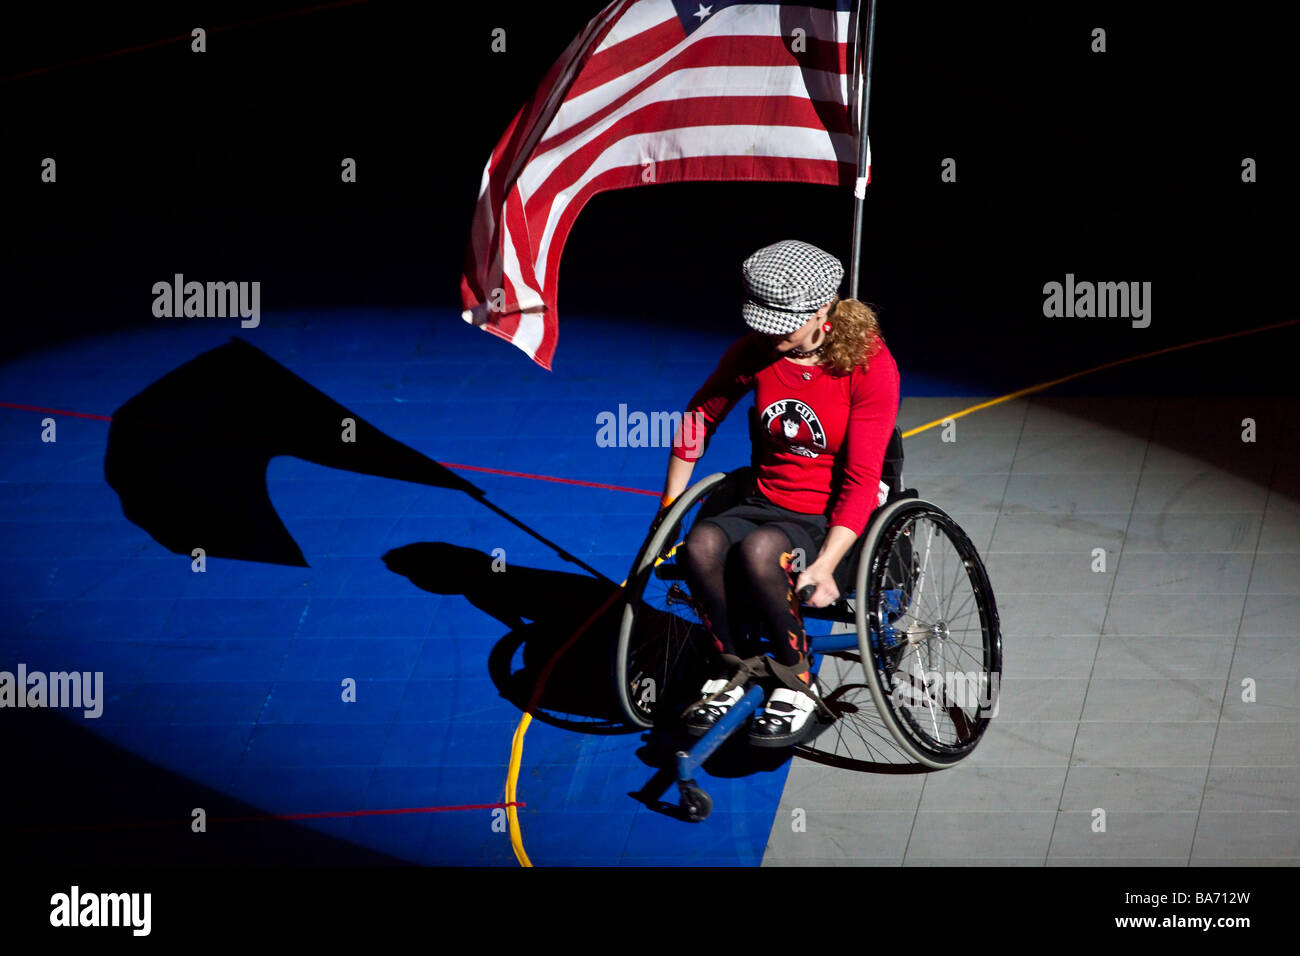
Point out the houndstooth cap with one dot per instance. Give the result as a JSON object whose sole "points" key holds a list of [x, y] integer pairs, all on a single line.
{"points": [[786, 283]]}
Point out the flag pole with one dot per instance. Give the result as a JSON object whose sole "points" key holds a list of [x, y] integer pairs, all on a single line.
{"points": [[860, 181]]}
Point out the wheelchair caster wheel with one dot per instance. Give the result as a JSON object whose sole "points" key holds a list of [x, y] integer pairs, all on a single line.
{"points": [[696, 804]]}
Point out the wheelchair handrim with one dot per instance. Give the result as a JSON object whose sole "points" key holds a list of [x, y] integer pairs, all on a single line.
{"points": [[911, 737], [638, 579]]}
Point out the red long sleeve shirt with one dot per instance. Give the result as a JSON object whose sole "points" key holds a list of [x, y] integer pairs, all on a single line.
{"points": [[824, 437]]}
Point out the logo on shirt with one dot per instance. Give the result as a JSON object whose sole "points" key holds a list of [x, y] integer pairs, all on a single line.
{"points": [[791, 423]]}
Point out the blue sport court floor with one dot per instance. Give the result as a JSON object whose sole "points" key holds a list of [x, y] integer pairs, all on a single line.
{"points": [[371, 563]]}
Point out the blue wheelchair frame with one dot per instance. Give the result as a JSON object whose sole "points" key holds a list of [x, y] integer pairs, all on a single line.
{"points": [[695, 802]]}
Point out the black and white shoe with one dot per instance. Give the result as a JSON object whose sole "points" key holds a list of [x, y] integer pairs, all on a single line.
{"points": [[789, 717], [702, 716]]}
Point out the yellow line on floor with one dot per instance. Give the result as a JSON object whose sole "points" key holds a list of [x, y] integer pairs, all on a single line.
{"points": [[517, 744], [1096, 368]]}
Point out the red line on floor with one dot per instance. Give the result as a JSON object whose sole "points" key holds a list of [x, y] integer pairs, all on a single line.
{"points": [[56, 411], [565, 481], [445, 464]]}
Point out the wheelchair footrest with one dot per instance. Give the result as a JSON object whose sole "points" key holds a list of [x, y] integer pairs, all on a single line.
{"points": [[688, 761]]}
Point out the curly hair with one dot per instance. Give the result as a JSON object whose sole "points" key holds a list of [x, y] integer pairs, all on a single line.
{"points": [[855, 336]]}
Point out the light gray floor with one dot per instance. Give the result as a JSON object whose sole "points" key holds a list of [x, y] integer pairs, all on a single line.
{"points": [[1122, 690]]}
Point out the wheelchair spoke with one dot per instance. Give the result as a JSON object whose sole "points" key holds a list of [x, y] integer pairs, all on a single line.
{"points": [[920, 581], [929, 701], [858, 739], [944, 598], [976, 663], [856, 726], [672, 666], [957, 581], [962, 607]]}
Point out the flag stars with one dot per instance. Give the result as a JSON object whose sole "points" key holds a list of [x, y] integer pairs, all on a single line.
{"points": [[702, 12]]}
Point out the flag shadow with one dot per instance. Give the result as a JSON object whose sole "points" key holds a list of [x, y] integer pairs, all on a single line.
{"points": [[542, 609], [188, 455]]}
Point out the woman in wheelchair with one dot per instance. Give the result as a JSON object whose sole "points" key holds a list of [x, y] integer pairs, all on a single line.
{"points": [[826, 402]]}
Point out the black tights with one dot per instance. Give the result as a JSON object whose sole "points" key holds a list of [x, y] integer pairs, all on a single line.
{"points": [[757, 563]]}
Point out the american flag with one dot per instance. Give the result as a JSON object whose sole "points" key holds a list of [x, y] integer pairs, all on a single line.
{"points": [[656, 91]]}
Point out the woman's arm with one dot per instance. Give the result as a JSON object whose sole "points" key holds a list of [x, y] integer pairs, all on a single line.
{"points": [[678, 480], [707, 408]]}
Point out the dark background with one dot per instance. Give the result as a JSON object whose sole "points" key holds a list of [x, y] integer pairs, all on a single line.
{"points": [[1122, 166], [1118, 166]]}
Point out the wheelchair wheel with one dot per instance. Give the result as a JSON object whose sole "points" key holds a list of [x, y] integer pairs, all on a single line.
{"points": [[656, 660], [858, 739], [928, 632]]}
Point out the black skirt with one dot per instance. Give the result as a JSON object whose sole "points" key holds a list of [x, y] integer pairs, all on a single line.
{"points": [[805, 531]]}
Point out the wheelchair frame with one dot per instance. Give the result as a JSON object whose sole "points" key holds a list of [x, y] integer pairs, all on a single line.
{"points": [[877, 554]]}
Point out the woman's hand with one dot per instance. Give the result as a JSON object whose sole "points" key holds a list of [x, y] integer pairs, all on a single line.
{"points": [[665, 503], [826, 594], [822, 571]]}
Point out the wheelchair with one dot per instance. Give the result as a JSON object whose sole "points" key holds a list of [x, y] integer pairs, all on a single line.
{"points": [[913, 657]]}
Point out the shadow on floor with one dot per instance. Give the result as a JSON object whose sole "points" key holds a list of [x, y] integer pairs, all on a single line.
{"points": [[75, 798], [188, 454], [543, 609]]}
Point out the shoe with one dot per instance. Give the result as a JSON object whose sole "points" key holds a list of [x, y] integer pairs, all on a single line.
{"points": [[701, 717], [788, 718]]}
